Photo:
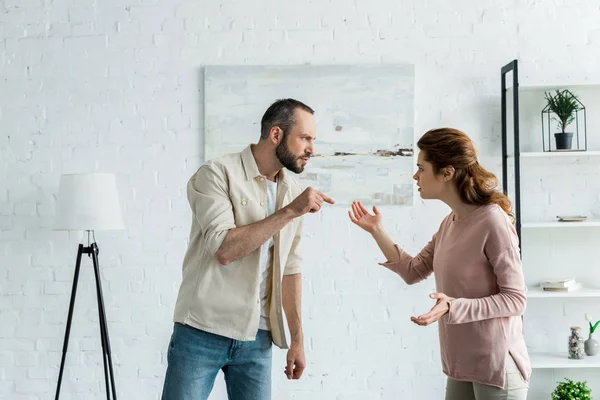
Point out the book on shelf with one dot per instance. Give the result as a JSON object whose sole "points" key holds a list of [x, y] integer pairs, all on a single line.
{"points": [[558, 283], [572, 288]]}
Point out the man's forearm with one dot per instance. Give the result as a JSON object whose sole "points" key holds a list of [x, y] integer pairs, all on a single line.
{"points": [[242, 241], [291, 288]]}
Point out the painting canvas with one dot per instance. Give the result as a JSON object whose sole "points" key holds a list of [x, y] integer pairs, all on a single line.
{"points": [[364, 115]]}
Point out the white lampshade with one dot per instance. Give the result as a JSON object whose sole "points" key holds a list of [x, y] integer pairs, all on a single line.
{"points": [[88, 202]]}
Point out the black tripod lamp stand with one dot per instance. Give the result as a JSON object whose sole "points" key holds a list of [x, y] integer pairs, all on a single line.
{"points": [[89, 202]]}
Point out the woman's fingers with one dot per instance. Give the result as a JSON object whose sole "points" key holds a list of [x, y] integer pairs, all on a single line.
{"points": [[362, 208], [352, 218], [357, 212]]}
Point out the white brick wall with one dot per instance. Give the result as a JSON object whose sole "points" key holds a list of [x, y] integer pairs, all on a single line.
{"points": [[116, 86]]}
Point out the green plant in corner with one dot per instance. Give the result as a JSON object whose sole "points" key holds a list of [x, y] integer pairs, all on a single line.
{"points": [[593, 325], [569, 390], [563, 104]]}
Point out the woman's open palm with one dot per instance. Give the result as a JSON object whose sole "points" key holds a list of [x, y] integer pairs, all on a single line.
{"points": [[361, 217]]}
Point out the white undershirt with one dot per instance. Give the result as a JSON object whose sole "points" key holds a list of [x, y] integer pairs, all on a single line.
{"points": [[266, 257]]}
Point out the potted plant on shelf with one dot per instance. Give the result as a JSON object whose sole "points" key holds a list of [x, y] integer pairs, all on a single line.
{"points": [[569, 390], [563, 104], [592, 347]]}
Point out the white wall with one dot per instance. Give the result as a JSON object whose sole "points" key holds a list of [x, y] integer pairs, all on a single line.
{"points": [[115, 86]]}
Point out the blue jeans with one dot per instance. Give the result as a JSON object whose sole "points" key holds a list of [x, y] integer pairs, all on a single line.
{"points": [[195, 357]]}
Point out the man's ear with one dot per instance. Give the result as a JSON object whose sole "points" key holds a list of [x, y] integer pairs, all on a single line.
{"points": [[276, 135]]}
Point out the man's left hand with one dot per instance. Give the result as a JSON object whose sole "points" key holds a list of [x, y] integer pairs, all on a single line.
{"points": [[296, 361], [442, 306]]}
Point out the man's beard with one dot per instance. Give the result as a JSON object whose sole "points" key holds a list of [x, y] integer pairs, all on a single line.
{"points": [[287, 158]]}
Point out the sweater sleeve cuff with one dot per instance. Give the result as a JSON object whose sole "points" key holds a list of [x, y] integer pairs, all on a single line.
{"points": [[391, 264], [453, 315]]}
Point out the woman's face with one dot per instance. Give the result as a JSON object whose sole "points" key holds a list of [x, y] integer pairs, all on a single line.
{"points": [[431, 185]]}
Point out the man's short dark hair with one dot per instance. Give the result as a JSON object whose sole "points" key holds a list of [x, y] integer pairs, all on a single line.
{"points": [[281, 114]]}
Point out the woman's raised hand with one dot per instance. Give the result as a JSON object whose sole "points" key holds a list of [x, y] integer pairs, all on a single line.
{"points": [[361, 217]]}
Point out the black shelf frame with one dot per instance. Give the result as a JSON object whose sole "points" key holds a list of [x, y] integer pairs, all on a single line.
{"points": [[511, 67]]}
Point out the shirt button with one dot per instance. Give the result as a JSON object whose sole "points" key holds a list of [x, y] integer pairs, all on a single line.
{"points": [[262, 203], [244, 202], [262, 179]]}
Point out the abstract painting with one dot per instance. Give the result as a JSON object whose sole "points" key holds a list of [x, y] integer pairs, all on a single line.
{"points": [[364, 114]]}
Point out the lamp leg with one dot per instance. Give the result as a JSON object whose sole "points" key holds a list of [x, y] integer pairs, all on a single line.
{"points": [[106, 353], [69, 319]]}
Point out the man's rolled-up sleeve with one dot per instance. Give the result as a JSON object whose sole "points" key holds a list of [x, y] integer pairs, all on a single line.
{"points": [[294, 261], [208, 195]]}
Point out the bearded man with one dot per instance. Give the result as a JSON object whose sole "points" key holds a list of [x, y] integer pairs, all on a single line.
{"points": [[243, 265]]}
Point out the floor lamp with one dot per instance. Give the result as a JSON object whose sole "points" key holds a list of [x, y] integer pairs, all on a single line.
{"points": [[89, 202]]}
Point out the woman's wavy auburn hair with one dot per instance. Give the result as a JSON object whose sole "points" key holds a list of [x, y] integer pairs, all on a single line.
{"points": [[446, 147]]}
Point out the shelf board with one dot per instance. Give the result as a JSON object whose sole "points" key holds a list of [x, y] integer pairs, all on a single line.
{"points": [[557, 224], [535, 292], [560, 154], [550, 154], [546, 360], [570, 86]]}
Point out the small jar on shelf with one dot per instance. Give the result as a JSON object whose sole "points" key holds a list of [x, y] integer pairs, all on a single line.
{"points": [[576, 344]]}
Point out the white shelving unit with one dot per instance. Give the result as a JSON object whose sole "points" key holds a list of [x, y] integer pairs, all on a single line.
{"points": [[560, 360], [552, 87], [551, 228], [555, 154], [561, 225], [534, 292], [546, 154]]}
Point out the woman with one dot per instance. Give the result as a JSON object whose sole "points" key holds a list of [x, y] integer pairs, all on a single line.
{"points": [[475, 259]]}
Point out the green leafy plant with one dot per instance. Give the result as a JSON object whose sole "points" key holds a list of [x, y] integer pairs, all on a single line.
{"points": [[563, 104], [593, 325], [569, 390]]}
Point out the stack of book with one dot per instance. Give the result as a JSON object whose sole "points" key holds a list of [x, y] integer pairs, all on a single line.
{"points": [[561, 285]]}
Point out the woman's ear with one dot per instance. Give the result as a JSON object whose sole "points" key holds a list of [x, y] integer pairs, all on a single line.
{"points": [[449, 173]]}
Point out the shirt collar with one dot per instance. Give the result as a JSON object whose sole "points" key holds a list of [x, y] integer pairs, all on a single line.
{"points": [[251, 169]]}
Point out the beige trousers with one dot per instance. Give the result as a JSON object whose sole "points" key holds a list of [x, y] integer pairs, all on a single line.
{"points": [[515, 387]]}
